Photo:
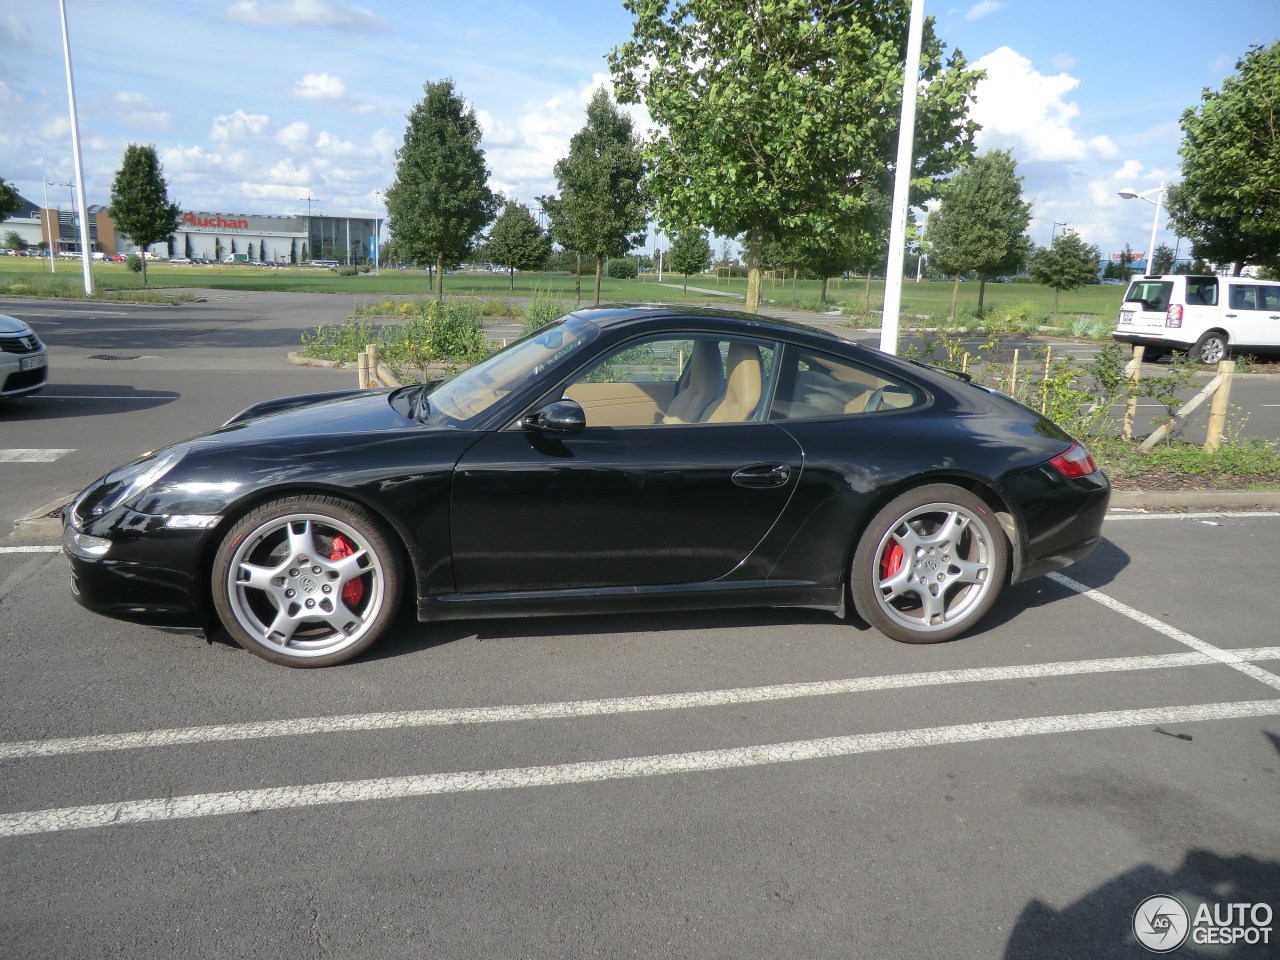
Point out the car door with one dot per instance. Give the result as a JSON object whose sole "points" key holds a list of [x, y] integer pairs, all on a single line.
{"points": [[1253, 315], [634, 499]]}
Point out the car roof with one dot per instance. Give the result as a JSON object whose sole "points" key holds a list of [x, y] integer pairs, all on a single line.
{"points": [[621, 314]]}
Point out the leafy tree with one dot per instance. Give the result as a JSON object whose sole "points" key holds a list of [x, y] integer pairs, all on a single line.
{"points": [[440, 200], [774, 115], [140, 202], [516, 241], [1162, 260], [1228, 202], [10, 202], [186, 246], [602, 207], [690, 253], [1127, 257], [250, 252], [1067, 264], [12, 241], [982, 222]]}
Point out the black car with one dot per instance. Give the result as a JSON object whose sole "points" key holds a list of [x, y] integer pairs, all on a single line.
{"points": [[619, 459]]}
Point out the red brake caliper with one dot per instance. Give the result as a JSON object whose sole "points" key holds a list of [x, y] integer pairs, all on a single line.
{"points": [[891, 560], [353, 592]]}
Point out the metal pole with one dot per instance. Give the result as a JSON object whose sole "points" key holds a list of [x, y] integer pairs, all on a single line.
{"points": [[377, 254], [902, 183], [48, 228], [86, 255], [1155, 225]]}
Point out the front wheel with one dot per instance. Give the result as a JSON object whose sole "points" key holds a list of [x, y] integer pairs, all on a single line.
{"points": [[930, 565], [306, 581], [1211, 348]]}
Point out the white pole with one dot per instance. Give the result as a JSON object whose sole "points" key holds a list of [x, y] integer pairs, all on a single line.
{"points": [[902, 183], [86, 255], [48, 227], [1155, 225], [377, 231]]}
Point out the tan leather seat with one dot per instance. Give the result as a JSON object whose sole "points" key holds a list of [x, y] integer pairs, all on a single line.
{"points": [[742, 389], [706, 383]]}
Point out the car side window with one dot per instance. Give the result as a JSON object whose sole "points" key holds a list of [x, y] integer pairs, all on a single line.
{"points": [[1270, 298], [821, 385], [1244, 297], [677, 379]]}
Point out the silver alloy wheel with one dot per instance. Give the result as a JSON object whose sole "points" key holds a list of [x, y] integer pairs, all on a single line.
{"points": [[1212, 348], [934, 567], [306, 585]]}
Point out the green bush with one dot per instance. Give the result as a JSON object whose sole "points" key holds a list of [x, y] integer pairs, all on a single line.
{"points": [[544, 308], [448, 334], [622, 268], [134, 263]]}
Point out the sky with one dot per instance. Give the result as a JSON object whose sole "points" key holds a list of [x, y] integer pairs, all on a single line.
{"points": [[254, 106]]}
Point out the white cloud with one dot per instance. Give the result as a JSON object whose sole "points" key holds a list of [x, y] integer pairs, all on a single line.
{"points": [[324, 14], [982, 8], [136, 109], [238, 127], [1062, 61], [13, 32], [320, 86], [1024, 110], [295, 136]]}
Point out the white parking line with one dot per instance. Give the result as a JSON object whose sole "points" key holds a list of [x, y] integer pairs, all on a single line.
{"points": [[357, 791], [310, 726], [1228, 657], [140, 396], [41, 549], [33, 455], [1123, 514]]}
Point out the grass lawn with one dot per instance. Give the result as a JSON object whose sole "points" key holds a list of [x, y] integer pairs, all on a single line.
{"points": [[931, 299]]}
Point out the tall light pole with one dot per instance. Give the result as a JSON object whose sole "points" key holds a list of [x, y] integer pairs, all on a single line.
{"points": [[1130, 194], [86, 256], [1054, 232], [377, 230], [48, 226], [902, 183]]}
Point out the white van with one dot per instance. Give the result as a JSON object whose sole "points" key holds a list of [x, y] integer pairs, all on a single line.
{"points": [[1212, 317]]}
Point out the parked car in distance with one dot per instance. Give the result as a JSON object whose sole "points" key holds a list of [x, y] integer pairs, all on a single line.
{"points": [[24, 362], [1209, 316], [621, 459], [1111, 282], [1001, 280]]}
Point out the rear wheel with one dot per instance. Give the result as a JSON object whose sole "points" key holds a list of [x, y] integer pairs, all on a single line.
{"points": [[930, 565], [306, 581], [1212, 347]]}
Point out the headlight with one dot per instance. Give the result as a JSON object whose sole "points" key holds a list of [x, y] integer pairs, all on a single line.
{"points": [[135, 479]]}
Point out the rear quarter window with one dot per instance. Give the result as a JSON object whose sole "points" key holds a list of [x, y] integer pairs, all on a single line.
{"points": [[1151, 294]]}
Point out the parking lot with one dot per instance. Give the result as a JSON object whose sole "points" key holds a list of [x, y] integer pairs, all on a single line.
{"points": [[761, 784]]}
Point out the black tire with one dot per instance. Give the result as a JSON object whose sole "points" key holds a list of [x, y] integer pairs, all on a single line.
{"points": [[929, 565], [307, 581], [1212, 347]]}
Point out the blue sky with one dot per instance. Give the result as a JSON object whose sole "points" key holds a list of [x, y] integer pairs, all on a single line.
{"points": [[255, 105]]}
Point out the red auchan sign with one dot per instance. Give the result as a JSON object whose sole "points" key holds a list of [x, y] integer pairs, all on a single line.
{"points": [[214, 223]]}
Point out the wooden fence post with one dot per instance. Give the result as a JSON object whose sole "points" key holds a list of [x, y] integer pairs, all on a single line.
{"points": [[1218, 410], [1134, 372], [362, 370]]}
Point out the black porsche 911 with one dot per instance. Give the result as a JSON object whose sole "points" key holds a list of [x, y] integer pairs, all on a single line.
{"points": [[619, 459]]}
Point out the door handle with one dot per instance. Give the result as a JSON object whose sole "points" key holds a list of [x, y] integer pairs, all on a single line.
{"points": [[764, 475]]}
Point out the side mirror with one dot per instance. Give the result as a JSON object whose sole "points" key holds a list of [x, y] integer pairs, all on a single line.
{"points": [[562, 416]]}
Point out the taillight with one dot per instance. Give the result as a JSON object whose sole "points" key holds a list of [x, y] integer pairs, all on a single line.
{"points": [[1174, 317], [1076, 461]]}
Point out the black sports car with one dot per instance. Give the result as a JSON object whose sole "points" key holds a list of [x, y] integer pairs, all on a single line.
{"points": [[618, 459]]}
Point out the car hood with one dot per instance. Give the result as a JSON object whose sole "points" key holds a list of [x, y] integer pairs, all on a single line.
{"points": [[11, 325], [313, 415]]}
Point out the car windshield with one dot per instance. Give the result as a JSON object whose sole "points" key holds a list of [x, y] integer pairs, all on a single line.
{"points": [[475, 390]]}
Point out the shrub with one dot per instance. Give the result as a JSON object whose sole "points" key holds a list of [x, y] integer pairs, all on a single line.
{"points": [[543, 308], [622, 268], [134, 263]]}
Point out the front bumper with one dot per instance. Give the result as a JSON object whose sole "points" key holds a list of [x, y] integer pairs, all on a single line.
{"points": [[149, 574]]}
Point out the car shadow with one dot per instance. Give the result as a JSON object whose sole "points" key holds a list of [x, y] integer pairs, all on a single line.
{"points": [[64, 401]]}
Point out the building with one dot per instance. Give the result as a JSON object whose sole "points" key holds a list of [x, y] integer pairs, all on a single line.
{"points": [[210, 236]]}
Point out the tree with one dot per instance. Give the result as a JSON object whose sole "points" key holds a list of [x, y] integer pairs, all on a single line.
{"points": [[1127, 257], [602, 207], [140, 203], [517, 242], [1228, 202], [1067, 264], [440, 200], [10, 201], [690, 253], [773, 115], [13, 241], [1162, 260], [982, 222]]}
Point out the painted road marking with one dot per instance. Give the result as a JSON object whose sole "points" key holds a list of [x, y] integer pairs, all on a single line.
{"points": [[310, 726], [1228, 657], [30, 455], [140, 396], [30, 549], [596, 771], [1123, 514]]}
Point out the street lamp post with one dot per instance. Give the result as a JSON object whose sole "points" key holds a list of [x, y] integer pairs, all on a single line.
{"points": [[48, 226], [1130, 194], [85, 253], [1054, 232]]}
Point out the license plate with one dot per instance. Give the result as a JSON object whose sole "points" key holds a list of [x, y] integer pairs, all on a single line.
{"points": [[32, 363], [1126, 317]]}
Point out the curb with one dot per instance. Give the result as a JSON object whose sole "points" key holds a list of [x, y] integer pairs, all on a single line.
{"points": [[38, 525]]}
